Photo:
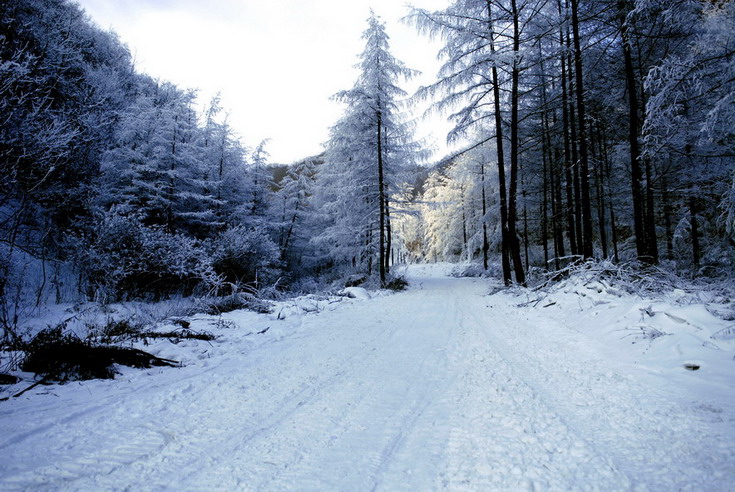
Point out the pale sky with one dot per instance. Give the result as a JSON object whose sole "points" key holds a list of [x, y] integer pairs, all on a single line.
{"points": [[276, 63]]}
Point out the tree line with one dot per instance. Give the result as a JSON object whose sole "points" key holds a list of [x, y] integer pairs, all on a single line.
{"points": [[609, 124], [595, 129]]}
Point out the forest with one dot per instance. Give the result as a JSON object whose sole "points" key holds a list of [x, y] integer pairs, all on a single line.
{"points": [[590, 130], [548, 306]]}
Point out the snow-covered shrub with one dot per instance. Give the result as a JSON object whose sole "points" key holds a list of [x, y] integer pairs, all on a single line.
{"points": [[128, 259], [236, 301], [475, 269], [246, 256], [397, 284], [632, 277]]}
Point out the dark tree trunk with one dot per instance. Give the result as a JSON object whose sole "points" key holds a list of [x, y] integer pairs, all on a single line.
{"points": [[668, 226], [600, 192], [583, 151], [388, 236], [571, 229], [611, 204], [696, 251], [465, 249], [381, 200], [525, 233], [574, 144], [635, 154], [505, 237], [557, 205], [650, 219], [485, 243], [547, 160], [556, 220], [515, 247], [545, 201]]}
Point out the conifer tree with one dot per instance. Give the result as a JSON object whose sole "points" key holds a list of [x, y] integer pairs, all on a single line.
{"points": [[367, 149]]}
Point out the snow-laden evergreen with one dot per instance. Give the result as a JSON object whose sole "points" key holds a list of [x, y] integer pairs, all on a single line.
{"points": [[368, 152]]}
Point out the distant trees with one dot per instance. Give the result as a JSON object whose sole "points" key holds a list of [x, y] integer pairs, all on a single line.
{"points": [[458, 214], [295, 212]]}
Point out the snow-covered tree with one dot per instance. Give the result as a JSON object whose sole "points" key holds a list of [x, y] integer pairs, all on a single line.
{"points": [[367, 150], [485, 56], [457, 210], [690, 121], [157, 167], [293, 206], [224, 163]]}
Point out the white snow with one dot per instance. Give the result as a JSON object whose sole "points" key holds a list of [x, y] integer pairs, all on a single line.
{"points": [[441, 387], [355, 293]]}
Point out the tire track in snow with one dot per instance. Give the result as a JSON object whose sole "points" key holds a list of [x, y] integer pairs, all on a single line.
{"points": [[424, 390], [505, 436], [376, 407], [653, 438]]}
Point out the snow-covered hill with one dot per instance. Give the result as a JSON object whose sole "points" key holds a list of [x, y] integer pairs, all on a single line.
{"points": [[441, 387]]}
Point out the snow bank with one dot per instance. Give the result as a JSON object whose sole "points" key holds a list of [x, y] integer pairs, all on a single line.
{"points": [[674, 335], [355, 293]]}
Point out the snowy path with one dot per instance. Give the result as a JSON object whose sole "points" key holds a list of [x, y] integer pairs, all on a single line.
{"points": [[437, 388]]}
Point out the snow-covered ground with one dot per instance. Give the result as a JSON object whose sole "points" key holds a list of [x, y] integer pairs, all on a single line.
{"points": [[441, 387]]}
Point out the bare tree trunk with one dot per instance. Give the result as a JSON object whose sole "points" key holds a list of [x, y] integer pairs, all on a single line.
{"points": [[515, 247], [587, 251], [650, 218], [525, 232], [635, 154], [545, 202], [505, 247], [465, 249], [556, 221], [485, 243], [613, 227], [668, 226], [574, 147], [381, 200], [547, 161], [388, 236], [557, 206], [571, 229], [597, 156]]}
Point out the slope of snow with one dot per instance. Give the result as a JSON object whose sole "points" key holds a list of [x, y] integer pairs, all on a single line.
{"points": [[441, 387]]}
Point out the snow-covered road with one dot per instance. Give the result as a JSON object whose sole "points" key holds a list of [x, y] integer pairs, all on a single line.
{"points": [[437, 388]]}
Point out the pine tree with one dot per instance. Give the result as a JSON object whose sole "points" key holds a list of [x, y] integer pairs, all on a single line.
{"points": [[367, 149]]}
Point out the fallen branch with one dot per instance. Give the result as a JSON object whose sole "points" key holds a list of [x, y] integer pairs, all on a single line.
{"points": [[37, 383], [61, 357], [181, 334]]}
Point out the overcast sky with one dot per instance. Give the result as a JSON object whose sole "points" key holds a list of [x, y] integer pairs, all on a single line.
{"points": [[276, 63]]}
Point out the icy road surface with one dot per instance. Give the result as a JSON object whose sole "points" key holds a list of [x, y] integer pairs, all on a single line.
{"points": [[437, 388]]}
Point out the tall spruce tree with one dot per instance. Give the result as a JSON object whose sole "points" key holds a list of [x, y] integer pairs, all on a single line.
{"points": [[367, 149]]}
